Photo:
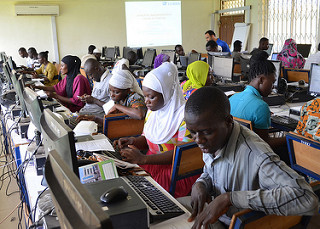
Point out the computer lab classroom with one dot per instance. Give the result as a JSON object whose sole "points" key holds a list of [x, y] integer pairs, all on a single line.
{"points": [[145, 162]]}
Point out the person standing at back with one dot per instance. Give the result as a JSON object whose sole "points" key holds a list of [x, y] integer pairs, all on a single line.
{"points": [[210, 35]]}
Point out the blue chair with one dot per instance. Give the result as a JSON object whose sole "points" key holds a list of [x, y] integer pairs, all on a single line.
{"points": [[187, 162], [121, 125]]}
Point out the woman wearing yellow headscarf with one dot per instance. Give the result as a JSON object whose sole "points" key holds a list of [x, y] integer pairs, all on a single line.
{"points": [[199, 76]]}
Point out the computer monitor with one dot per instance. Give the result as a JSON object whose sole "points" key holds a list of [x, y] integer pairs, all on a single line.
{"points": [[138, 51], [18, 87], [7, 73], [223, 68], [193, 57], [245, 65], [148, 57], [58, 136], [274, 56], [3, 56], [110, 53], [269, 50], [125, 51], [277, 65], [211, 54], [314, 80], [103, 52], [10, 62], [304, 49], [171, 54], [75, 206], [117, 51], [34, 106]]}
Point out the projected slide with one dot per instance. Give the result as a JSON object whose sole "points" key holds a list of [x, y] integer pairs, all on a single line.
{"points": [[153, 23]]}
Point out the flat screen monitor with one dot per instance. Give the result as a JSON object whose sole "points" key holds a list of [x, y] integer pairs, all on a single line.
{"points": [[274, 56], [171, 54], [117, 51], [18, 87], [6, 71], [193, 57], [277, 65], [138, 51], [3, 56], [269, 50], [148, 57], [34, 106], [125, 52], [103, 52], [10, 62], [110, 53], [75, 206], [245, 65], [223, 68], [314, 80], [58, 136], [211, 54], [304, 49]]}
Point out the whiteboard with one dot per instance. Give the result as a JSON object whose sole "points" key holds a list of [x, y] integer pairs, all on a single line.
{"points": [[241, 32]]}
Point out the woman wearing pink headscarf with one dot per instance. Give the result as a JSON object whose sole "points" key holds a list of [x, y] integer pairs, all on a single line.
{"points": [[289, 55]]}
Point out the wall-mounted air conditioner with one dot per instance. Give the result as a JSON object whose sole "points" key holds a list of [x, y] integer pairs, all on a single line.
{"points": [[52, 10]]}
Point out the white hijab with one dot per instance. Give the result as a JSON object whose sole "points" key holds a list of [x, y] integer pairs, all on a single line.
{"points": [[123, 79], [162, 124], [118, 66]]}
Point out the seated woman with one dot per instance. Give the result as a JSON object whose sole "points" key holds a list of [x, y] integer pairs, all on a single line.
{"points": [[163, 130], [47, 69], [74, 85], [127, 96], [289, 55], [249, 104], [199, 75], [161, 58]]}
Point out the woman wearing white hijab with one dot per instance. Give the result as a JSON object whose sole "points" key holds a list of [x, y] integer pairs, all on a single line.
{"points": [[163, 129]]}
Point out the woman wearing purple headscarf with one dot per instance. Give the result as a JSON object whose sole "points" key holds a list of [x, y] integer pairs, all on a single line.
{"points": [[71, 87], [160, 59]]}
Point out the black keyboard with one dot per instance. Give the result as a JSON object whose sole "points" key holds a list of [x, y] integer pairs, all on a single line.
{"points": [[73, 122], [285, 121], [116, 154], [159, 205]]}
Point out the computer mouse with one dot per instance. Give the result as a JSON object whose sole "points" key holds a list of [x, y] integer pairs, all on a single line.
{"points": [[114, 195], [301, 82]]}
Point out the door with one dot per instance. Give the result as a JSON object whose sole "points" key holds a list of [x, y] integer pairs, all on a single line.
{"points": [[227, 27]]}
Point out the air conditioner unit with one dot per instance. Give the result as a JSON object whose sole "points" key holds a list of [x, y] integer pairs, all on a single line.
{"points": [[37, 10]]}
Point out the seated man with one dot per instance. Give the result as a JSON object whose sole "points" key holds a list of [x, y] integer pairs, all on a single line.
{"points": [[309, 123], [23, 53], [210, 35], [179, 51], [241, 170], [237, 45], [212, 46], [99, 95], [263, 46]]}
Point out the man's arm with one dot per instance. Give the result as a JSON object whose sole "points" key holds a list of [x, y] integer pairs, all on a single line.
{"points": [[283, 191]]}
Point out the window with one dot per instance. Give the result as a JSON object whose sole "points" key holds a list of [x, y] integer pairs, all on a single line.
{"points": [[229, 4], [297, 19]]}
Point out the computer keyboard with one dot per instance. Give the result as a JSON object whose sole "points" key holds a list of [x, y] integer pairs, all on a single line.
{"points": [[73, 122], [114, 154], [159, 205], [285, 121]]}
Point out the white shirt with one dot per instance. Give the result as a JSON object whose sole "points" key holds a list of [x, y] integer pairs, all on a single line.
{"points": [[30, 62], [315, 58]]}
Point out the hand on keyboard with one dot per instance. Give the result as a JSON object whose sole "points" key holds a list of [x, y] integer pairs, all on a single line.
{"points": [[124, 142], [86, 118], [133, 155]]}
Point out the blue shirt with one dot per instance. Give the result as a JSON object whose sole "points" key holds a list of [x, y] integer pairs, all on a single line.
{"points": [[224, 45], [249, 105]]}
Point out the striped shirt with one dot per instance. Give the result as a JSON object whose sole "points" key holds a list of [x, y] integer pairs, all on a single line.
{"points": [[257, 179]]}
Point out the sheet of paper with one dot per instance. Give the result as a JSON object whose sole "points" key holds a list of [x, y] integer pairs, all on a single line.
{"points": [[37, 80], [107, 106], [42, 94], [118, 163], [229, 93], [95, 145], [174, 223]]}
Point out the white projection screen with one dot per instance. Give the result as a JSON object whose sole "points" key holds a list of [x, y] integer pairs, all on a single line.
{"points": [[153, 23]]}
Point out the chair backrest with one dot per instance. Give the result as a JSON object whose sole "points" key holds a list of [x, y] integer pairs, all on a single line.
{"points": [[244, 122], [294, 75], [304, 154], [187, 162], [121, 125], [249, 219]]}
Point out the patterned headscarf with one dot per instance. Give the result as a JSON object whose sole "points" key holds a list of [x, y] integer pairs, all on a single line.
{"points": [[289, 55]]}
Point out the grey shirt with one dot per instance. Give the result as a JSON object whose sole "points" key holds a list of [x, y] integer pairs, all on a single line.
{"points": [[100, 91], [256, 177]]}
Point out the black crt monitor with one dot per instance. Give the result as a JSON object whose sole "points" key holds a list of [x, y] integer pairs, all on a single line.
{"points": [[103, 52], [17, 82], [223, 68], [304, 49], [277, 65], [171, 54], [111, 53], [75, 206], [274, 56], [269, 50], [148, 57], [125, 51], [34, 106], [193, 57], [314, 80], [138, 51], [58, 136]]}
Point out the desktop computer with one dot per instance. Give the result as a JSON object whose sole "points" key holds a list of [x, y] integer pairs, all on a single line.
{"points": [[304, 49]]}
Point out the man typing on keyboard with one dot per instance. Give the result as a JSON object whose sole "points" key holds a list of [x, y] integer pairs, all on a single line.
{"points": [[241, 170]]}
